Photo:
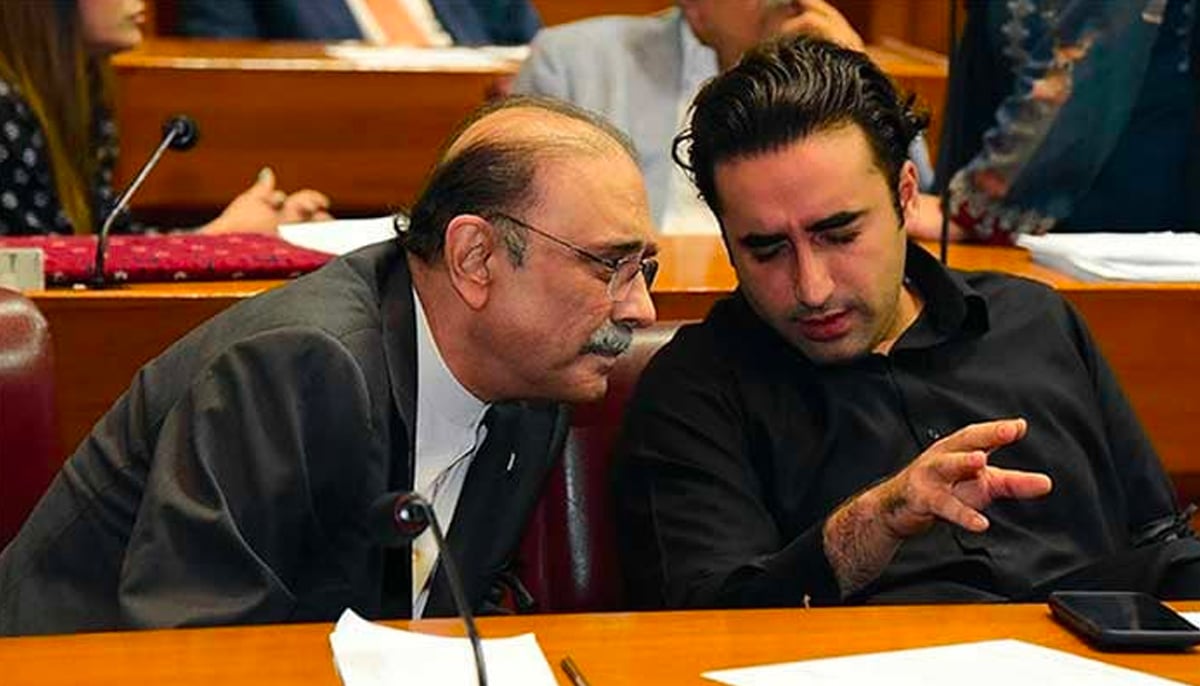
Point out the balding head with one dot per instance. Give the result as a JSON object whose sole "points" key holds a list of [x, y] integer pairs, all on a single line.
{"points": [[491, 164]]}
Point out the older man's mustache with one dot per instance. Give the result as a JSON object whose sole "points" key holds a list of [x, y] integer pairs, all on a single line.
{"points": [[610, 340]]}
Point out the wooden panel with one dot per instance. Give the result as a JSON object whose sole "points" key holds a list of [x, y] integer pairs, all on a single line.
{"points": [[662, 648], [365, 134], [923, 23]]}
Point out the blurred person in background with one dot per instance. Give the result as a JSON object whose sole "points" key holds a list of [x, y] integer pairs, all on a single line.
{"points": [[641, 72], [58, 141], [1071, 116], [403, 22]]}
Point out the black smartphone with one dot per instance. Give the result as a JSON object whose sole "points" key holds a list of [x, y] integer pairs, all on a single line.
{"points": [[1119, 620]]}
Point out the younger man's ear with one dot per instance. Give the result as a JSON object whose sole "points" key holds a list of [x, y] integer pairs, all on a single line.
{"points": [[909, 193], [470, 243]]}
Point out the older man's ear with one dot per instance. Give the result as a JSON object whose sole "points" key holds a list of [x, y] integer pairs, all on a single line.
{"points": [[470, 248]]}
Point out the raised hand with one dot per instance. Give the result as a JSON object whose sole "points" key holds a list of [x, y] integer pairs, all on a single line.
{"points": [[951, 481]]}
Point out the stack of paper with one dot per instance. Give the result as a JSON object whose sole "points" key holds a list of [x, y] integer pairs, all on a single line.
{"points": [[367, 654], [988, 663], [1121, 256], [340, 236], [410, 58]]}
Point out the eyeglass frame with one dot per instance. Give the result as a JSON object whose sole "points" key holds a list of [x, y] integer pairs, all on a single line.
{"points": [[647, 265]]}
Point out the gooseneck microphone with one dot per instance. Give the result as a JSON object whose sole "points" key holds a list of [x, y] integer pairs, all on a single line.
{"points": [[398, 518], [179, 133]]}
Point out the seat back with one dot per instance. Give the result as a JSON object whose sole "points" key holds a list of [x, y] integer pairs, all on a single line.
{"points": [[568, 559], [28, 439]]}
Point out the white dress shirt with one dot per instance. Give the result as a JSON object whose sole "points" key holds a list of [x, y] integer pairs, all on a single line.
{"points": [[449, 431]]}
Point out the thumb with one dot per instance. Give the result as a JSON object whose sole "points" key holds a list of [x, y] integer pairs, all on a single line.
{"points": [[264, 184]]}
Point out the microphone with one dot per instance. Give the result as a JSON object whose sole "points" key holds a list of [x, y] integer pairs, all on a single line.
{"points": [[399, 517], [179, 133]]}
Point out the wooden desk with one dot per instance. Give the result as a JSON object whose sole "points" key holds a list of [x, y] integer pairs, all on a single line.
{"points": [[364, 132], [662, 648], [1149, 333]]}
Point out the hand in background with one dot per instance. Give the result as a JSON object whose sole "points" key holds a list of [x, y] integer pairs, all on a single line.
{"points": [[927, 224], [305, 206], [819, 19], [262, 208]]}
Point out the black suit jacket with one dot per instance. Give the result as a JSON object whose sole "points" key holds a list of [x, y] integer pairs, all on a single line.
{"points": [[469, 22], [232, 481]]}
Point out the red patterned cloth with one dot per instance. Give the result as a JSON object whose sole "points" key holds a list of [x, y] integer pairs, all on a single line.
{"points": [[174, 257]]}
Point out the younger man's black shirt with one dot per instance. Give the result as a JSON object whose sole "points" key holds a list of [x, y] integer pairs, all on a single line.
{"points": [[737, 448]]}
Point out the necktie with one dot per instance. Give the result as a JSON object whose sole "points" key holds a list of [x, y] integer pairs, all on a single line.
{"points": [[397, 25], [424, 548]]}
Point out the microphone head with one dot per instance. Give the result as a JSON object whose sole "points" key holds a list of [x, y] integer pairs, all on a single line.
{"points": [[399, 517], [185, 129]]}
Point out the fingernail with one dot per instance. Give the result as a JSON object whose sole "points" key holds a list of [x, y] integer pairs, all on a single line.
{"points": [[264, 173]]}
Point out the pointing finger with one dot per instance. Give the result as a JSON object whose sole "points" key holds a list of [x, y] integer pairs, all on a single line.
{"points": [[985, 436]]}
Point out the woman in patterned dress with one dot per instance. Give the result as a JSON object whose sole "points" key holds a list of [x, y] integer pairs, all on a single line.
{"points": [[58, 143]]}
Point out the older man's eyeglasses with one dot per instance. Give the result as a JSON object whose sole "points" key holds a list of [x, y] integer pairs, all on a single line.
{"points": [[624, 270]]}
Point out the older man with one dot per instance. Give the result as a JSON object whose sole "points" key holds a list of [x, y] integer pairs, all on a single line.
{"points": [[232, 482], [858, 423]]}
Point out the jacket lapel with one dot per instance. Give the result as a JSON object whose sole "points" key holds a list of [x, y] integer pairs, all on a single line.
{"points": [[400, 351]]}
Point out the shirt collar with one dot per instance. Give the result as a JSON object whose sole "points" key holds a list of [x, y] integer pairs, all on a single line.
{"points": [[449, 408], [952, 306]]}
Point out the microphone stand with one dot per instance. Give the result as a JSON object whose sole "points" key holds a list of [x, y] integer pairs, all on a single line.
{"points": [[944, 200], [179, 133], [409, 514]]}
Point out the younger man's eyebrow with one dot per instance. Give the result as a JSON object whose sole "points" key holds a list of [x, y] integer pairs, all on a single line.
{"points": [[835, 221], [761, 240]]}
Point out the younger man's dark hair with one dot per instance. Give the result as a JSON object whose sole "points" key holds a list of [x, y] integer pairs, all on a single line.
{"points": [[788, 89]]}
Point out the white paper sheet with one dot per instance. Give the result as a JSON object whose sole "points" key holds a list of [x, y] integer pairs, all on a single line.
{"points": [[340, 236], [987, 663], [1119, 256], [367, 654], [416, 59]]}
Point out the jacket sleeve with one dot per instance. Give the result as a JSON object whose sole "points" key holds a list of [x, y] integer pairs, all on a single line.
{"points": [[695, 526], [228, 521], [1076, 72]]}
